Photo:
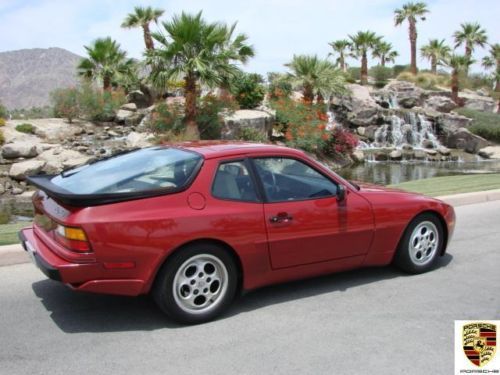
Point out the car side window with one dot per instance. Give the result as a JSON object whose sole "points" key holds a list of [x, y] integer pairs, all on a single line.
{"points": [[286, 179], [233, 181]]}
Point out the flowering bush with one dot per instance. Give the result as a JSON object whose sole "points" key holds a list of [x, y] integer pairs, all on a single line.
{"points": [[304, 126], [341, 142], [167, 119], [248, 90], [66, 103]]}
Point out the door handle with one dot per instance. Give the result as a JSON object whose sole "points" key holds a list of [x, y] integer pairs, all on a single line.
{"points": [[281, 217]]}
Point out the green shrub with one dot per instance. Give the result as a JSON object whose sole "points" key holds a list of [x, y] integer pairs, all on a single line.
{"points": [[2, 138], [99, 105], [425, 80], [398, 69], [252, 135], [25, 128], [248, 90], [2, 121], [167, 119], [381, 74], [484, 124], [477, 81], [66, 103], [209, 118], [353, 74], [279, 86]]}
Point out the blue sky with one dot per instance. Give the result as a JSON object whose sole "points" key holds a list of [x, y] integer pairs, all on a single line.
{"points": [[276, 28]]}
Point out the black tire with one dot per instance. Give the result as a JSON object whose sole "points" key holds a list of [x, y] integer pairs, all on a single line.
{"points": [[413, 243], [185, 302]]}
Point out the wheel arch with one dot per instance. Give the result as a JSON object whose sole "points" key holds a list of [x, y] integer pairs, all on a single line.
{"points": [[217, 242], [438, 216]]}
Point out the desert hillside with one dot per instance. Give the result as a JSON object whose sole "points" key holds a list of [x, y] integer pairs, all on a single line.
{"points": [[27, 76]]}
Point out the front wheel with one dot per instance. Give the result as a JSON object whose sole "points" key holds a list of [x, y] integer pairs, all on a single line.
{"points": [[197, 284], [421, 244]]}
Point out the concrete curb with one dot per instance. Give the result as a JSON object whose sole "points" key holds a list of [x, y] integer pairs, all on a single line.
{"points": [[14, 254]]}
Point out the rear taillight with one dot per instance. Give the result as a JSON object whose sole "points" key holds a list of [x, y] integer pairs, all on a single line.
{"points": [[73, 239]]}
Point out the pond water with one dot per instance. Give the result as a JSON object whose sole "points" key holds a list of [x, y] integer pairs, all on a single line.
{"points": [[386, 173]]}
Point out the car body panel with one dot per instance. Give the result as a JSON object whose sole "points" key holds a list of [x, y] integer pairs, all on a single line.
{"points": [[325, 235]]}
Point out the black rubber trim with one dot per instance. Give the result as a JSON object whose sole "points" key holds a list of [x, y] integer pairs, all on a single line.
{"points": [[49, 271]]}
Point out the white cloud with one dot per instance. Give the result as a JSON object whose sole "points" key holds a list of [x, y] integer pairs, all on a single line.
{"points": [[277, 28]]}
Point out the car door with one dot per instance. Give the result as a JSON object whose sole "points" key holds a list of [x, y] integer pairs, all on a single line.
{"points": [[305, 221]]}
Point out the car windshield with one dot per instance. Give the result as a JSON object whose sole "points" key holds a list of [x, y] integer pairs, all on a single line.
{"points": [[137, 171]]}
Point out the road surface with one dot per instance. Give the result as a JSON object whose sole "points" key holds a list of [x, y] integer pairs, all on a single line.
{"points": [[359, 322]]}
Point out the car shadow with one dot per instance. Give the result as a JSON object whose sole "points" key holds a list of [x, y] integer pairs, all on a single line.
{"points": [[75, 312]]}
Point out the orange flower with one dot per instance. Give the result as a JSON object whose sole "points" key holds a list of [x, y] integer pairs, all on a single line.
{"points": [[324, 136], [321, 126], [288, 136]]}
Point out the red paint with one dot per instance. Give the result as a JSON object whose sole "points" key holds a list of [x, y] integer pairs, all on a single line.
{"points": [[323, 236]]}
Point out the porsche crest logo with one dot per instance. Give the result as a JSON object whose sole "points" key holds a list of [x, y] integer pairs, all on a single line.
{"points": [[479, 342]]}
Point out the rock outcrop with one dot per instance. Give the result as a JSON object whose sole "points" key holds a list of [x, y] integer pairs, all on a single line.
{"points": [[259, 121]]}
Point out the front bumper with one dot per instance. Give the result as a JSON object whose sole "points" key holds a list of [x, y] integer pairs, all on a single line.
{"points": [[87, 277]]}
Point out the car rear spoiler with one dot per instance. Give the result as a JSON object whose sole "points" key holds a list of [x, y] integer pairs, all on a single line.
{"points": [[43, 182]]}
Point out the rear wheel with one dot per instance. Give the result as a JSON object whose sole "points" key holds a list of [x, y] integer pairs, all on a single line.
{"points": [[197, 283], [421, 244]]}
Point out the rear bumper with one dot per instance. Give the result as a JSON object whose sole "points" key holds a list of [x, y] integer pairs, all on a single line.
{"points": [[88, 277]]}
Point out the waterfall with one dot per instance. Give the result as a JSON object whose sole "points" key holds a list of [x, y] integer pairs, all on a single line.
{"points": [[412, 129], [393, 101]]}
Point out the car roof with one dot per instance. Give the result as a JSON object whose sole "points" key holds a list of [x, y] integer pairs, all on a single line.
{"points": [[217, 149]]}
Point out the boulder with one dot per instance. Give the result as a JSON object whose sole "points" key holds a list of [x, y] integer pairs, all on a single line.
{"points": [[465, 140], [427, 143], [358, 156], [19, 150], [58, 159], [138, 140], [370, 132], [479, 103], [440, 104], [129, 107], [419, 155], [451, 122], [444, 151], [407, 94], [135, 119], [431, 152], [55, 130], [396, 155], [359, 107], [490, 152], [139, 98], [260, 121], [19, 171], [361, 130], [122, 115]]}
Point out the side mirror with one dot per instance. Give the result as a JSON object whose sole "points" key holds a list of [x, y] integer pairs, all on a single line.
{"points": [[340, 193]]}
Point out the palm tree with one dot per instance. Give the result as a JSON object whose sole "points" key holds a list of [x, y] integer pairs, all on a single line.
{"points": [[361, 43], [471, 35], [196, 52], [315, 76], [493, 61], [106, 62], [142, 17], [341, 47], [458, 64], [411, 11], [384, 52], [436, 51]]}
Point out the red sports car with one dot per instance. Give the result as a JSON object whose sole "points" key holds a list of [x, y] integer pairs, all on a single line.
{"points": [[196, 223]]}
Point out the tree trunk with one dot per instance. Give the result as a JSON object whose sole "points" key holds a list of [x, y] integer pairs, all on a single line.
{"points": [[342, 63], [454, 86], [433, 65], [106, 83], [320, 99], [364, 69], [192, 131], [413, 45], [382, 60], [468, 54], [308, 94], [148, 40]]}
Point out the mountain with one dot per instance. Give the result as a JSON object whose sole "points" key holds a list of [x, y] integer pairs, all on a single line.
{"points": [[28, 76]]}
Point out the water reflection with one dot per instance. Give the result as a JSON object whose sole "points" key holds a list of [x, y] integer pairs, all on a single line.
{"points": [[386, 173]]}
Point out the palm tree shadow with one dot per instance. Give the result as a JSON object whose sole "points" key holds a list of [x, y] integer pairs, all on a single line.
{"points": [[75, 312]]}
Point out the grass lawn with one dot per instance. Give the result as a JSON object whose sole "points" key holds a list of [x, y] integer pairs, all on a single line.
{"points": [[452, 184], [8, 232]]}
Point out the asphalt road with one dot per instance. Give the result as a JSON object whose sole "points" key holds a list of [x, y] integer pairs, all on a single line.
{"points": [[372, 321]]}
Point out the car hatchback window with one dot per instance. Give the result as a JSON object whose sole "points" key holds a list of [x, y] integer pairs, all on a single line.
{"points": [[286, 179], [232, 181], [141, 170]]}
